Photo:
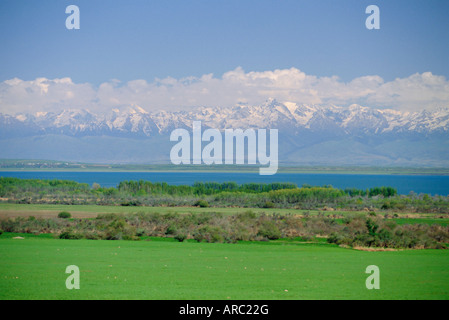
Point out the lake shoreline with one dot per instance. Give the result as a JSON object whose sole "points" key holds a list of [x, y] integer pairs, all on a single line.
{"points": [[297, 170], [434, 184]]}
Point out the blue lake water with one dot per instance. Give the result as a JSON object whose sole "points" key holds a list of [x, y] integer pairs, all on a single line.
{"points": [[431, 184]]}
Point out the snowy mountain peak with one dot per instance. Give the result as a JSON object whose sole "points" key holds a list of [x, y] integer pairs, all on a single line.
{"points": [[132, 109], [308, 134], [354, 119]]}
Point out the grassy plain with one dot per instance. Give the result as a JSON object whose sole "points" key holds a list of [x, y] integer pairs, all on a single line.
{"points": [[90, 211], [34, 268], [162, 268], [13, 210]]}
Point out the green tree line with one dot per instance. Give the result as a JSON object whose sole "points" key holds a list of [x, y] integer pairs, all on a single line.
{"points": [[226, 194]]}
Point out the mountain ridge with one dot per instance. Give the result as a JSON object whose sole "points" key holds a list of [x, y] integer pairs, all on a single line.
{"points": [[133, 120], [308, 134]]}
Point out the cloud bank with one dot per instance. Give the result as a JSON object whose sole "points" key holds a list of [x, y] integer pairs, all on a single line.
{"points": [[414, 93]]}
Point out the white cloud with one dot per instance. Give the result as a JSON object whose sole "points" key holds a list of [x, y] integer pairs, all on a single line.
{"points": [[43, 94], [416, 92], [413, 93]]}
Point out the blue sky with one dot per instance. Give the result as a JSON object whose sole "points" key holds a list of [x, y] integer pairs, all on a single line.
{"points": [[129, 40], [178, 53]]}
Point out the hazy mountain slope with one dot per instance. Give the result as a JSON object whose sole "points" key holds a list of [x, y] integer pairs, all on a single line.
{"points": [[307, 134]]}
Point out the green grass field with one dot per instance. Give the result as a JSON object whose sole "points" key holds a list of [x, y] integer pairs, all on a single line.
{"points": [[34, 268], [39, 209]]}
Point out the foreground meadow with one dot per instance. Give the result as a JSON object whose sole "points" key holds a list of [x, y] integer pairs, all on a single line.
{"points": [[34, 268]]}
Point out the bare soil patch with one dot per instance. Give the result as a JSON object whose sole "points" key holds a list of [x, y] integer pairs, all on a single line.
{"points": [[5, 214]]}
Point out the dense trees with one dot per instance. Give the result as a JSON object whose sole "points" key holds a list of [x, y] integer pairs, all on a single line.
{"points": [[384, 191], [199, 188], [262, 195]]}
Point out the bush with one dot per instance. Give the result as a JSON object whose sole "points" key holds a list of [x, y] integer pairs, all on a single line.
{"points": [[180, 236], [339, 239], [246, 216], [269, 230], [202, 204], [171, 230], [70, 235], [64, 215], [269, 205], [1, 232], [92, 236], [132, 203], [119, 229], [209, 234]]}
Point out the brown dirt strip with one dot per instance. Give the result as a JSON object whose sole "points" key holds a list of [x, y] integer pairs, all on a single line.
{"points": [[5, 214]]}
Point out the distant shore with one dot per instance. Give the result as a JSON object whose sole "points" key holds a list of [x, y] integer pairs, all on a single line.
{"points": [[42, 165]]}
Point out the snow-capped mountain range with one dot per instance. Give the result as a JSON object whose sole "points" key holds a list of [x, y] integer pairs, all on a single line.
{"points": [[290, 117], [307, 134]]}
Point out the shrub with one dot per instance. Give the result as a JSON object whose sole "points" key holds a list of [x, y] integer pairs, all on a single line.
{"points": [[64, 215], [241, 233], [372, 227], [171, 230], [92, 236], [247, 215], [1, 232], [269, 230], [70, 235], [268, 205], [339, 239], [387, 205], [132, 203], [209, 234], [202, 204], [119, 229], [180, 236]]}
